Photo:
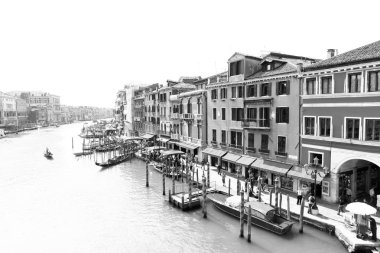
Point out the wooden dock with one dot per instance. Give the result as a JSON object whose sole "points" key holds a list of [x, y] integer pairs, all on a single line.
{"points": [[195, 200]]}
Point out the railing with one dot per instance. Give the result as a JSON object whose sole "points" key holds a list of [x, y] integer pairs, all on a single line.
{"points": [[198, 116], [187, 116], [281, 153], [223, 144], [190, 140], [174, 116], [264, 151], [251, 149], [235, 146], [183, 138], [136, 118], [138, 106], [196, 141], [249, 123], [174, 136], [264, 122]]}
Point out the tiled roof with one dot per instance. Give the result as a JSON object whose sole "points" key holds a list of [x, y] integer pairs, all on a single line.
{"points": [[362, 54], [184, 86], [283, 69]]}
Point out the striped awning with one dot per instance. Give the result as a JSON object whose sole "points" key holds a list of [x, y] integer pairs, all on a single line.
{"points": [[231, 157], [272, 166], [246, 160], [300, 173], [147, 136], [186, 145], [214, 152]]}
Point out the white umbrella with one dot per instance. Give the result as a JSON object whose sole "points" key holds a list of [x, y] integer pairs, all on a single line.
{"points": [[360, 208]]}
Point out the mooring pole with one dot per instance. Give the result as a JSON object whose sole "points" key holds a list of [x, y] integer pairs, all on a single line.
{"points": [[147, 175], [249, 224], [270, 196], [173, 179], [259, 185], [229, 187], [208, 175], [301, 215], [163, 183], [190, 195], [280, 211], [242, 214], [204, 208], [288, 207], [170, 196], [72, 142]]}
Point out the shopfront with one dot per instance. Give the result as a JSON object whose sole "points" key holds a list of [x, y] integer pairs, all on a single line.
{"points": [[245, 162], [213, 156], [270, 170], [229, 163]]}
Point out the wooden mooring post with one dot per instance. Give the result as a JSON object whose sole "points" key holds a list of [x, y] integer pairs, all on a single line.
{"points": [[280, 210], [190, 194], [173, 181], [249, 224], [301, 215], [288, 207], [270, 197], [208, 175], [170, 196], [259, 185], [72, 142], [182, 169], [229, 187], [242, 214], [204, 208], [147, 175], [163, 183], [197, 179]]}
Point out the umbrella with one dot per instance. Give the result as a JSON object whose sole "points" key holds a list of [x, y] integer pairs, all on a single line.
{"points": [[360, 208]]}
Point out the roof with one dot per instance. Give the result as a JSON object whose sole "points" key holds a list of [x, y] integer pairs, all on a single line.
{"points": [[283, 69], [191, 93], [184, 86], [288, 56], [214, 152], [245, 55], [367, 53]]}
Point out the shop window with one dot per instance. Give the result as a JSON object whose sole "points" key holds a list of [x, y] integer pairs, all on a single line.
{"points": [[287, 183]]}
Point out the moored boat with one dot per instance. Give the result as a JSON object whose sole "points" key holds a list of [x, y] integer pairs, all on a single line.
{"points": [[115, 160], [262, 215]]}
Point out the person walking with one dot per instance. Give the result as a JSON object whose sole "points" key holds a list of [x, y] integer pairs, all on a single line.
{"points": [[372, 224], [311, 203], [341, 204], [246, 184], [299, 196], [224, 178], [219, 169]]}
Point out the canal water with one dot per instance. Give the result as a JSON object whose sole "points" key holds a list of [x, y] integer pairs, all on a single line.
{"points": [[69, 204]]}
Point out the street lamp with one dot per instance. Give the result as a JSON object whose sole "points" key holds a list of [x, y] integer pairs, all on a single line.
{"points": [[312, 169]]}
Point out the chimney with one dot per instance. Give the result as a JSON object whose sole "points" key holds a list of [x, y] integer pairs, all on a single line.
{"points": [[299, 67], [331, 53]]}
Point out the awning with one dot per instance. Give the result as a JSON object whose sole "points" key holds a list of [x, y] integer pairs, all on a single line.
{"points": [[231, 157], [154, 148], [171, 152], [300, 173], [272, 166], [147, 136], [163, 140], [246, 160], [214, 152], [186, 145]]}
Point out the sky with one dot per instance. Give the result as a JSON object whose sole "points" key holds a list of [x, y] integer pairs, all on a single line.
{"points": [[85, 51]]}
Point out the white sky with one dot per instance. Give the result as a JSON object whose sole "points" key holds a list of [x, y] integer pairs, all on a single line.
{"points": [[85, 51]]}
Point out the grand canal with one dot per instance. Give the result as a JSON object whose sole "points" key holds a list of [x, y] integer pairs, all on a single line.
{"points": [[68, 204]]}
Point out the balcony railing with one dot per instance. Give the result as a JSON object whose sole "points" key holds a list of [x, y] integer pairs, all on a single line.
{"points": [[264, 122], [249, 123], [281, 153], [198, 116], [251, 149], [191, 140], [174, 136], [136, 118], [235, 146], [174, 116], [223, 144], [264, 151], [187, 116]]}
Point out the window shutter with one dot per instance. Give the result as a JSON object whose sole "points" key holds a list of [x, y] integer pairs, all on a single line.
{"points": [[287, 115], [287, 87], [255, 90], [277, 114], [277, 88], [270, 89]]}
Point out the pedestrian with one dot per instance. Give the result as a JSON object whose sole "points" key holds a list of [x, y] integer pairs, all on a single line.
{"points": [[348, 193], [341, 204], [299, 196], [246, 184], [311, 203], [372, 224], [224, 178], [219, 169]]}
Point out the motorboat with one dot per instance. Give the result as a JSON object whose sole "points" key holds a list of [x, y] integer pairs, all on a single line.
{"points": [[262, 214]]}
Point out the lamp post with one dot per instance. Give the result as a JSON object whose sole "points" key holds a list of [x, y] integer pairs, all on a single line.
{"points": [[312, 169]]}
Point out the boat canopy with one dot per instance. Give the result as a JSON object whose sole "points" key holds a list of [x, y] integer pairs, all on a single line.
{"points": [[261, 209], [233, 201], [171, 152], [154, 148]]}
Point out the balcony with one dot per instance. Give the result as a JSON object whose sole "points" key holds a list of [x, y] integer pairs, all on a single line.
{"points": [[264, 151], [214, 143], [251, 149], [187, 116], [281, 153], [138, 106], [196, 141], [174, 116], [184, 138], [136, 118], [198, 116], [247, 123], [174, 136], [191, 140], [223, 144], [236, 146]]}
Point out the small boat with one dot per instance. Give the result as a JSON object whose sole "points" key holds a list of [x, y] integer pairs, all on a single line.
{"points": [[262, 214], [83, 153], [115, 160], [48, 154]]}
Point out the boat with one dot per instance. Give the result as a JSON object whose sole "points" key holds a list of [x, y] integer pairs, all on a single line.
{"points": [[114, 160], [83, 153], [262, 214], [48, 154]]}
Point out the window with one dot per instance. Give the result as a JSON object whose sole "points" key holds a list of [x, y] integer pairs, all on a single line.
{"points": [[251, 114], [240, 91], [281, 145], [264, 142], [189, 107], [268, 67], [252, 91], [324, 126], [223, 113], [223, 93], [354, 81], [233, 92], [213, 135], [214, 94], [325, 188], [224, 137], [372, 129], [236, 139], [309, 125], [214, 113], [264, 117], [237, 114], [352, 128], [236, 68], [326, 85], [283, 88], [265, 89], [319, 156], [286, 182], [310, 86], [282, 115], [251, 141], [373, 81]]}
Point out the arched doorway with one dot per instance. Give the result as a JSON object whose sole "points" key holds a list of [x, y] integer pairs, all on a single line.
{"points": [[356, 177]]}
